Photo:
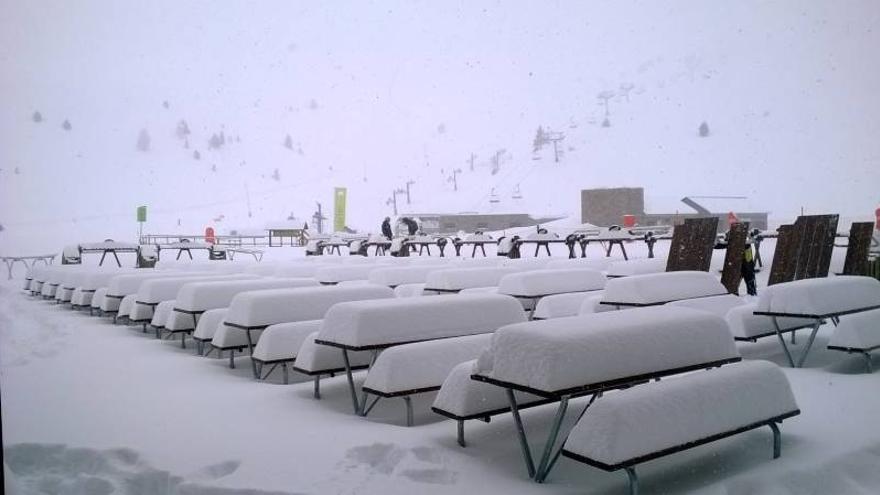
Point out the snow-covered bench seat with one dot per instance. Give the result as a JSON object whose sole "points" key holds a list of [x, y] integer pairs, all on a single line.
{"points": [[568, 357], [54, 277], [154, 291], [409, 290], [636, 267], [452, 280], [253, 311], [207, 326], [858, 333], [380, 324], [195, 298], [69, 282], [819, 299], [460, 398], [91, 298], [598, 264], [532, 286], [122, 285], [280, 344], [317, 360], [299, 270], [660, 288], [627, 428], [96, 278], [392, 276], [330, 275], [421, 367], [744, 324], [562, 305]]}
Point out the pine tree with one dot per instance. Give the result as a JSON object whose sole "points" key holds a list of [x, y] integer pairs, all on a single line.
{"points": [[182, 130], [37, 117], [197, 155], [66, 125], [288, 142], [704, 129], [143, 141]]}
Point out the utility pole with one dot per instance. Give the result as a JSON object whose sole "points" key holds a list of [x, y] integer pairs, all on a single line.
{"points": [[473, 157], [455, 178], [555, 138], [393, 199], [408, 183], [247, 194]]}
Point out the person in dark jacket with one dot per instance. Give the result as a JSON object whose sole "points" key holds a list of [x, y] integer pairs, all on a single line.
{"points": [[411, 226], [386, 228]]}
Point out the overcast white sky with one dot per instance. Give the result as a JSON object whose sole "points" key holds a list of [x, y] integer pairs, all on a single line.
{"points": [[391, 91]]}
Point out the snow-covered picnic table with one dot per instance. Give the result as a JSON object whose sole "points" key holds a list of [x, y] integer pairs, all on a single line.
{"points": [[818, 299], [109, 247], [380, 324], [563, 358], [660, 288]]}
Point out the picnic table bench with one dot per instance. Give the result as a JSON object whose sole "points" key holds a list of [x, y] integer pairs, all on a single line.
{"points": [[10, 262], [253, 311], [195, 298], [531, 286], [817, 299], [654, 420], [109, 247], [475, 240], [452, 280], [656, 289], [152, 292], [381, 324], [564, 358]]}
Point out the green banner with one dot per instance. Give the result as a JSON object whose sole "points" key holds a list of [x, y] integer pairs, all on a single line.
{"points": [[142, 214], [339, 209]]}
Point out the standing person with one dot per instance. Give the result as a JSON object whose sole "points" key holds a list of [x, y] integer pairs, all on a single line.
{"points": [[411, 226], [386, 228], [748, 269]]}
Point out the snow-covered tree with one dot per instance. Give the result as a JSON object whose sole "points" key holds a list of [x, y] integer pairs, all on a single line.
{"points": [[276, 175], [37, 117], [703, 130], [182, 130], [197, 155], [288, 142], [143, 141], [66, 125], [540, 139]]}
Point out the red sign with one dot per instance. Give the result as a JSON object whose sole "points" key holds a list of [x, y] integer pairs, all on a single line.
{"points": [[209, 235]]}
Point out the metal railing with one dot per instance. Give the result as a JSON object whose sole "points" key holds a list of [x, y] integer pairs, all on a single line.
{"points": [[220, 240]]}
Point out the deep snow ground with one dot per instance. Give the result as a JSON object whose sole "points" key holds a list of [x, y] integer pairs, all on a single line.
{"points": [[93, 408]]}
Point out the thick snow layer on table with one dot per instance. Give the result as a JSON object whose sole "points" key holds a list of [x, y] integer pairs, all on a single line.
{"points": [[422, 364], [452, 279], [476, 262], [125, 305], [314, 358], [409, 290], [162, 312], [479, 290], [562, 353], [663, 287], [739, 314], [401, 320], [462, 396], [266, 307], [102, 278], [208, 323], [162, 289], [544, 282], [598, 264], [393, 276], [478, 237], [549, 236], [299, 270], [283, 340], [819, 296], [226, 337], [561, 305], [199, 296], [858, 331], [593, 304], [348, 271], [636, 267], [660, 415], [525, 264]]}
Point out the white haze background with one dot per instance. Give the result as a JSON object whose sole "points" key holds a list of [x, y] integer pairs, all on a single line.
{"points": [[378, 93]]}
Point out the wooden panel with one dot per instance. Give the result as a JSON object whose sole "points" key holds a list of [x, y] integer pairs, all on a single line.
{"points": [[783, 256], [692, 244], [856, 262], [731, 274]]}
